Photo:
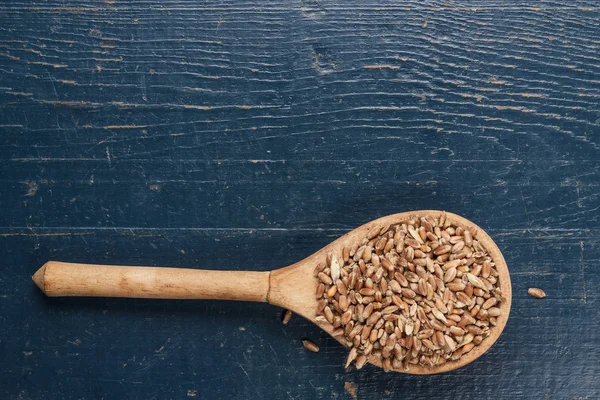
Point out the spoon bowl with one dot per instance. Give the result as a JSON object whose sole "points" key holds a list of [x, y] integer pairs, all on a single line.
{"points": [[292, 287]]}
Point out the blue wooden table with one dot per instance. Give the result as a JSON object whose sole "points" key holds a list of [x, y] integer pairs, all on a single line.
{"points": [[248, 134]]}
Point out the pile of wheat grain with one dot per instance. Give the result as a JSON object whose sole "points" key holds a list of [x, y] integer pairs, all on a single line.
{"points": [[421, 292]]}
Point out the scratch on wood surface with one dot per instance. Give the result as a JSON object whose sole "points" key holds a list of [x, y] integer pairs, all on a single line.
{"points": [[108, 156], [45, 234], [582, 265], [392, 67], [20, 94], [125, 127], [533, 95], [499, 82], [191, 107], [47, 64], [116, 60]]}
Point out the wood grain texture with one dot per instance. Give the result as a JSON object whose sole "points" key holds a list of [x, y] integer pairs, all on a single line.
{"points": [[250, 134]]}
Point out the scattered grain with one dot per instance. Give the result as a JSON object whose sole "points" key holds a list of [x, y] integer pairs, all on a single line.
{"points": [[310, 346], [287, 315], [535, 292]]}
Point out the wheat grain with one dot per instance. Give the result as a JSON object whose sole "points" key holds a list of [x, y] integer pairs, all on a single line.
{"points": [[310, 346], [287, 315], [535, 292]]}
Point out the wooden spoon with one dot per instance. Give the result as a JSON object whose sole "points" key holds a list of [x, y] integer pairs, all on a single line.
{"points": [[292, 287]]}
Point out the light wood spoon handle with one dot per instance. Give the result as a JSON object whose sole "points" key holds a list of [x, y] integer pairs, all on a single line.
{"points": [[69, 279]]}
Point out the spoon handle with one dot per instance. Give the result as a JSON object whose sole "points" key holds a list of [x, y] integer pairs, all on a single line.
{"points": [[68, 279]]}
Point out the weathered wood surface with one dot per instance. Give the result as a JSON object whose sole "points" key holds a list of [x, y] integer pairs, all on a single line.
{"points": [[247, 135]]}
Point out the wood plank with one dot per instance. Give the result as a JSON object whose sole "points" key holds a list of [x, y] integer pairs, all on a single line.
{"points": [[245, 348], [283, 194], [433, 83]]}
